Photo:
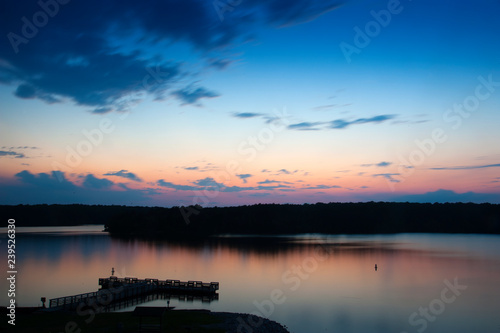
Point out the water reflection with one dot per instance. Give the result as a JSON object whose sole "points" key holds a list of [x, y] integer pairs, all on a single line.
{"points": [[324, 283]]}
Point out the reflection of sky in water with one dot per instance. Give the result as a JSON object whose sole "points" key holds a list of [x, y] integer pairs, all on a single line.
{"points": [[328, 283]]}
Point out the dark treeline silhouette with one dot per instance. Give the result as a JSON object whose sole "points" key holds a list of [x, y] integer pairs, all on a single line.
{"points": [[268, 219], [60, 215]]}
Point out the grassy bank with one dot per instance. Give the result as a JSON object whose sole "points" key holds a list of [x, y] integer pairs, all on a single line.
{"points": [[54, 322]]}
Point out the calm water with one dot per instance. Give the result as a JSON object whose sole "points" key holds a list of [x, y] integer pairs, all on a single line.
{"points": [[318, 283]]}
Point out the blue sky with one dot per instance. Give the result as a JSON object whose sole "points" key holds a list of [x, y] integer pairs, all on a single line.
{"points": [[238, 102]]}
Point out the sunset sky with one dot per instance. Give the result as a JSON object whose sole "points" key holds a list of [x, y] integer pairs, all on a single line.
{"points": [[232, 102]]}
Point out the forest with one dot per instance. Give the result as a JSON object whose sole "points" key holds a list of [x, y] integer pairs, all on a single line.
{"points": [[194, 222]]}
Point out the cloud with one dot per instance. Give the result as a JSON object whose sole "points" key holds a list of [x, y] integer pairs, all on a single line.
{"points": [[272, 187], [341, 123], [267, 181], [381, 164], [320, 187], [163, 183], [191, 95], [99, 55], [56, 180], [25, 91], [12, 154], [471, 167], [442, 196], [54, 187], [285, 172], [305, 126], [338, 123], [207, 183], [97, 183], [191, 168], [245, 115], [124, 174], [324, 107], [244, 177], [388, 176], [210, 184]]}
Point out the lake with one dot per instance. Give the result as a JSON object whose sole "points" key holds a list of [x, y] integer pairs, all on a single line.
{"points": [[310, 283]]}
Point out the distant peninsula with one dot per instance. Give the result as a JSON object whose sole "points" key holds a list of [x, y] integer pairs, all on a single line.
{"points": [[195, 222]]}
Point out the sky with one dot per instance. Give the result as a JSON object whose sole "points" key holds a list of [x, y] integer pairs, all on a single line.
{"points": [[236, 102]]}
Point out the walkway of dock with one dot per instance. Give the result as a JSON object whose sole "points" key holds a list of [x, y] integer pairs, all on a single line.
{"points": [[122, 291]]}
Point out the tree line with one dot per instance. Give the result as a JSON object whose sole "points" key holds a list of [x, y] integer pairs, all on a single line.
{"points": [[267, 219]]}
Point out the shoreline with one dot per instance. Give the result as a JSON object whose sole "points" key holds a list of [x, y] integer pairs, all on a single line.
{"points": [[192, 319]]}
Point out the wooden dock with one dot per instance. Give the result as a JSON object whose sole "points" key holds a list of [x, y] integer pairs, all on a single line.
{"points": [[122, 291], [191, 287]]}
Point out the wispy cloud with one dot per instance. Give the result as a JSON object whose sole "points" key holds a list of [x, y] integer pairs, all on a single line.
{"points": [[470, 167], [388, 176], [191, 168], [14, 154], [320, 187], [267, 181], [306, 126], [341, 123], [207, 183], [178, 187], [246, 115], [380, 164], [244, 177], [324, 107], [124, 174], [449, 196]]}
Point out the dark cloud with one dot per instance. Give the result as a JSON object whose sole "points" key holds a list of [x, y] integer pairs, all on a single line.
{"points": [[19, 147], [54, 187], [56, 180], [388, 176], [471, 167], [338, 123], [285, 172], [91, 181], [442, 196], [245, 115], [12, 154], [124, 174], [381, 164], [102, 54], [272, 187], [209, 184], [244, 177], [267, 181], [341, 123], [163, 183], [305, 126], [191, 95], [25, 91], [320, 187]]}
